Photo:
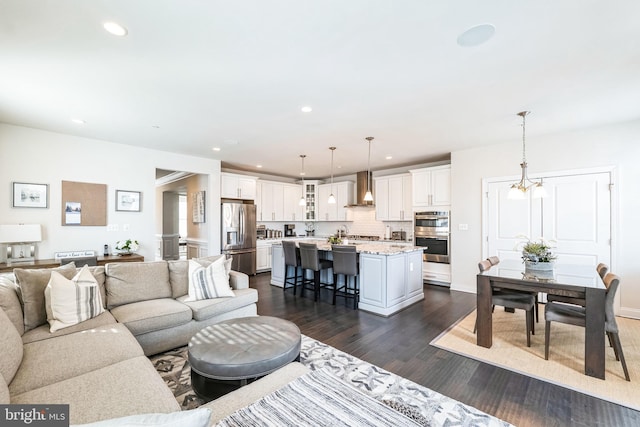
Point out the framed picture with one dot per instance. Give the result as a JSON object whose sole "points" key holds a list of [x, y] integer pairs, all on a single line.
{"points": [[198, 207], [27, 195], [128, 201]]}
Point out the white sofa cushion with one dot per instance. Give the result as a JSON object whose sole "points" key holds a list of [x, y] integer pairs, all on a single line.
{"points": [[128, 282], [10, 348], [72, 301], [32, 283], [42, 332], [209, 282], [193, 418], [10, 303], [205, 309], [153, 315]]}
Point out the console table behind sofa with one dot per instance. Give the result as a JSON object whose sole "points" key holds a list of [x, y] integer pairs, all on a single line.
{"points": [[51, 263]]}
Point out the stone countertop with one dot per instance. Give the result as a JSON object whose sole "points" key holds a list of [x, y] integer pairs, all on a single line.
{"points": [[375, 248]]}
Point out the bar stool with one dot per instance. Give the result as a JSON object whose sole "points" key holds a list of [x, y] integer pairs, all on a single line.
{"points": [[311, 261], [345, 262], [291, 261]]}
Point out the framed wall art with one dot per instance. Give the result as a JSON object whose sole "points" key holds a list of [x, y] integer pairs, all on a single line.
{"points": [[27, 195], [128, 201], [84, 203], [198, 207]]}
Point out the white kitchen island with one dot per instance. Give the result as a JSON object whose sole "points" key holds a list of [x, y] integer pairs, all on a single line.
{"points": [[390, 274]]}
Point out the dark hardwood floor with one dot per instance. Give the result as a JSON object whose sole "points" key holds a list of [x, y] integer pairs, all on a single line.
{"points": [[400, 344]]}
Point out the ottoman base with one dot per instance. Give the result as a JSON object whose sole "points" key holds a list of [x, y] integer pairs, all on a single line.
{"points": [[209, 389]]}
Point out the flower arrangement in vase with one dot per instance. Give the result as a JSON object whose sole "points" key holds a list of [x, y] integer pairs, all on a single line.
{"points": [[537, 255], [127, 247]]}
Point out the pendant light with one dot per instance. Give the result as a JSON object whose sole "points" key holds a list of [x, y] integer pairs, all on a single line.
{"points": [[332, 198], [368, 197], [519, 190], [302, 201]]}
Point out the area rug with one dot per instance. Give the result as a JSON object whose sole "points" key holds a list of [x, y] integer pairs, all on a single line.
{"points": [[386, 387], [565, 366]]}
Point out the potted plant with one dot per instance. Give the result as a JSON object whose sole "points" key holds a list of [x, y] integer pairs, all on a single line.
{"points": [[127, 247], [537, 255]]}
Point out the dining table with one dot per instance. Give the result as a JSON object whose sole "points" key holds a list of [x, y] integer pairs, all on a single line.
{"points": [[572, 280]]}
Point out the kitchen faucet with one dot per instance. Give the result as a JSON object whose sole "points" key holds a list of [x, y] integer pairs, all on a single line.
{"points": [[346, 231]]}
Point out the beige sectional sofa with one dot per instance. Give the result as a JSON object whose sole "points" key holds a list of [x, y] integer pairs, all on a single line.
{"points": [[99, 366]]}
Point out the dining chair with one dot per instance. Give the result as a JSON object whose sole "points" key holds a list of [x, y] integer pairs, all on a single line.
{"points": [[602, 270], [345, 263], [310, 261], [508, 299], [494, 260], [292, 262], [576, 315]]}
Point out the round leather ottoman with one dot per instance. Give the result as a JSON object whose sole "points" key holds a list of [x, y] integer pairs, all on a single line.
{"points": [[232, 353]]}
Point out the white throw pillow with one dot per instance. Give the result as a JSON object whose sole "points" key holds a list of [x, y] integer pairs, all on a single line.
{"points": [[208, 282], [193, 418], [71, 301]]}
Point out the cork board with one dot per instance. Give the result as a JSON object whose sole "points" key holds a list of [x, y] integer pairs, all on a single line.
{"points": [[84, 203]]}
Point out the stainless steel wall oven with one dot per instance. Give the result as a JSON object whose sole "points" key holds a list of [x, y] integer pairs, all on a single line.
{"points": [[431, 231]]}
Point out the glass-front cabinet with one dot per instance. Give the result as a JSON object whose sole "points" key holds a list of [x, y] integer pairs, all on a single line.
{"points": [[311, 208]]}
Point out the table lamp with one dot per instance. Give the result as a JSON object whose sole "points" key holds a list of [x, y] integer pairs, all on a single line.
{"points": [[21, 241]]}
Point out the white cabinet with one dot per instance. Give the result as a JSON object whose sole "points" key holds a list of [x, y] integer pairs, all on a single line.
{"points": [[431, 186], [388, 283], [393, 198], [343, 192], [263, 256], [279, 201], [436, 272], [277, 265], [235, 186], [292, 211]]}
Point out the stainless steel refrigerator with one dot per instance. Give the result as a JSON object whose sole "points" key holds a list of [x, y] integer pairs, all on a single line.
{"points": [[239, 235]]}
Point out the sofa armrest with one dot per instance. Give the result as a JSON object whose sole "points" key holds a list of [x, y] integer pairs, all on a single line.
{"points": [[238, 280]]}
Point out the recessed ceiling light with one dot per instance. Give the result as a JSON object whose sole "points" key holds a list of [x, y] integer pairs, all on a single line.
{"points": [[78, 121], [216, 148], [258, 166], [115, 29], [155, 127], [389, 157], [306, 109], [476, 35]]}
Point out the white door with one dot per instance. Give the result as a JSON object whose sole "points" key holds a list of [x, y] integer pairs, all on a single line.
{"points": [[576, 214]]}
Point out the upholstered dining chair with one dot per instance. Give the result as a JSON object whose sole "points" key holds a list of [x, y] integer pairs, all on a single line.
{"points": [[345, 263], [494, 260], [576, 315], [310, 260], [292, 263], [602, 270], [516, 300]]}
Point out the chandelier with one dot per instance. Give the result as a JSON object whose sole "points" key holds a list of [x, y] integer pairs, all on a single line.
{"points": [[302, 201], [519, 190]]}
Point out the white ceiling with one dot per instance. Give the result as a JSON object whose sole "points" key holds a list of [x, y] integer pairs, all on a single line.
{"points": [[207, 73]]}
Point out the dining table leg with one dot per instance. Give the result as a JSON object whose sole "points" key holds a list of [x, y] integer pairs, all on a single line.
{"points": [[594, 342], [484, 318]]}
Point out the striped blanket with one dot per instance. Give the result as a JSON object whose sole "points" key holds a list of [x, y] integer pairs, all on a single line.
{"points": [[318, 398]]}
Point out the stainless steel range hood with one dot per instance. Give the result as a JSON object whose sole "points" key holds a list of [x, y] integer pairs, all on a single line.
{"points": [[361, 190]]}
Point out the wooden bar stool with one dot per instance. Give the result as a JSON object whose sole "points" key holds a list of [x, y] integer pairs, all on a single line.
{"points": [[345, 262], [311, 261]]}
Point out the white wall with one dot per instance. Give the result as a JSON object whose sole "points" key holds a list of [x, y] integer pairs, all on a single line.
{"points": [[35, 156], [617, 146]]}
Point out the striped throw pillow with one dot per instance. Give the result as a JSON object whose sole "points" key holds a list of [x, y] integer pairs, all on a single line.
{"points": [[208, 282], [71, 301]]}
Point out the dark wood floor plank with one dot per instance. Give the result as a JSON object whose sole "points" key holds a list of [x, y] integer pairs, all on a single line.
{"points": [[400, 344]]}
